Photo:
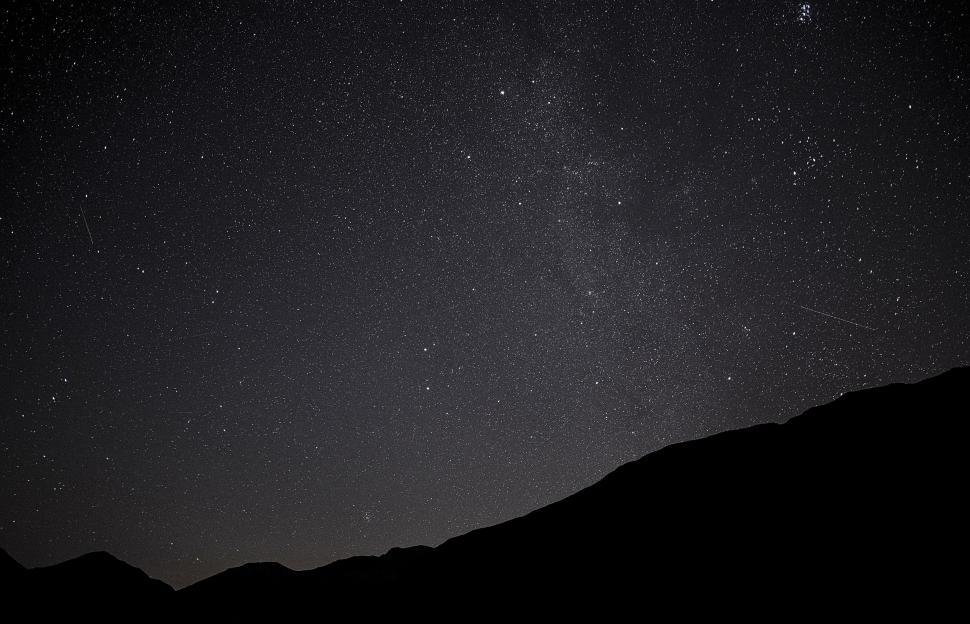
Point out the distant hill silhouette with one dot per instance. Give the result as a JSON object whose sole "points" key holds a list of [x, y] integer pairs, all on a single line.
{"points": [[93, 583], [855, 505], [10, 569]]}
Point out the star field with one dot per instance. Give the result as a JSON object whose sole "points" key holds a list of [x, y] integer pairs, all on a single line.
{"points": [[295, 282]]}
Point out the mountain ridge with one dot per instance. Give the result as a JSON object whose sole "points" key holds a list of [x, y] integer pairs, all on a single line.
{"points": [[849, 498]]}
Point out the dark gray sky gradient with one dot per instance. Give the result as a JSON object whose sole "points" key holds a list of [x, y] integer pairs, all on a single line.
{"points": [[293, 282]]}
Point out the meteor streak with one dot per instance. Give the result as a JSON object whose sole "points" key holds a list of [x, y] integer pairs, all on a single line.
{"points": [[86, 227], [838, 318]]}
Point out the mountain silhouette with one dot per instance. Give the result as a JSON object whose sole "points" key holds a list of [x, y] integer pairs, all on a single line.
{"points": [[95, 582], [854, 505], [10, 568]]}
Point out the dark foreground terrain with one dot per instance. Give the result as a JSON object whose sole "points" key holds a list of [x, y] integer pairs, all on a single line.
{"points": [[854, 507]]}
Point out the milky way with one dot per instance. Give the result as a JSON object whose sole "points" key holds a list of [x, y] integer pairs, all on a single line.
{"points": [[295, 283]]}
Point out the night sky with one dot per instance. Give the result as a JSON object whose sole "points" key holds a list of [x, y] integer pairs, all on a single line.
{"points": [[292, 282]]}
